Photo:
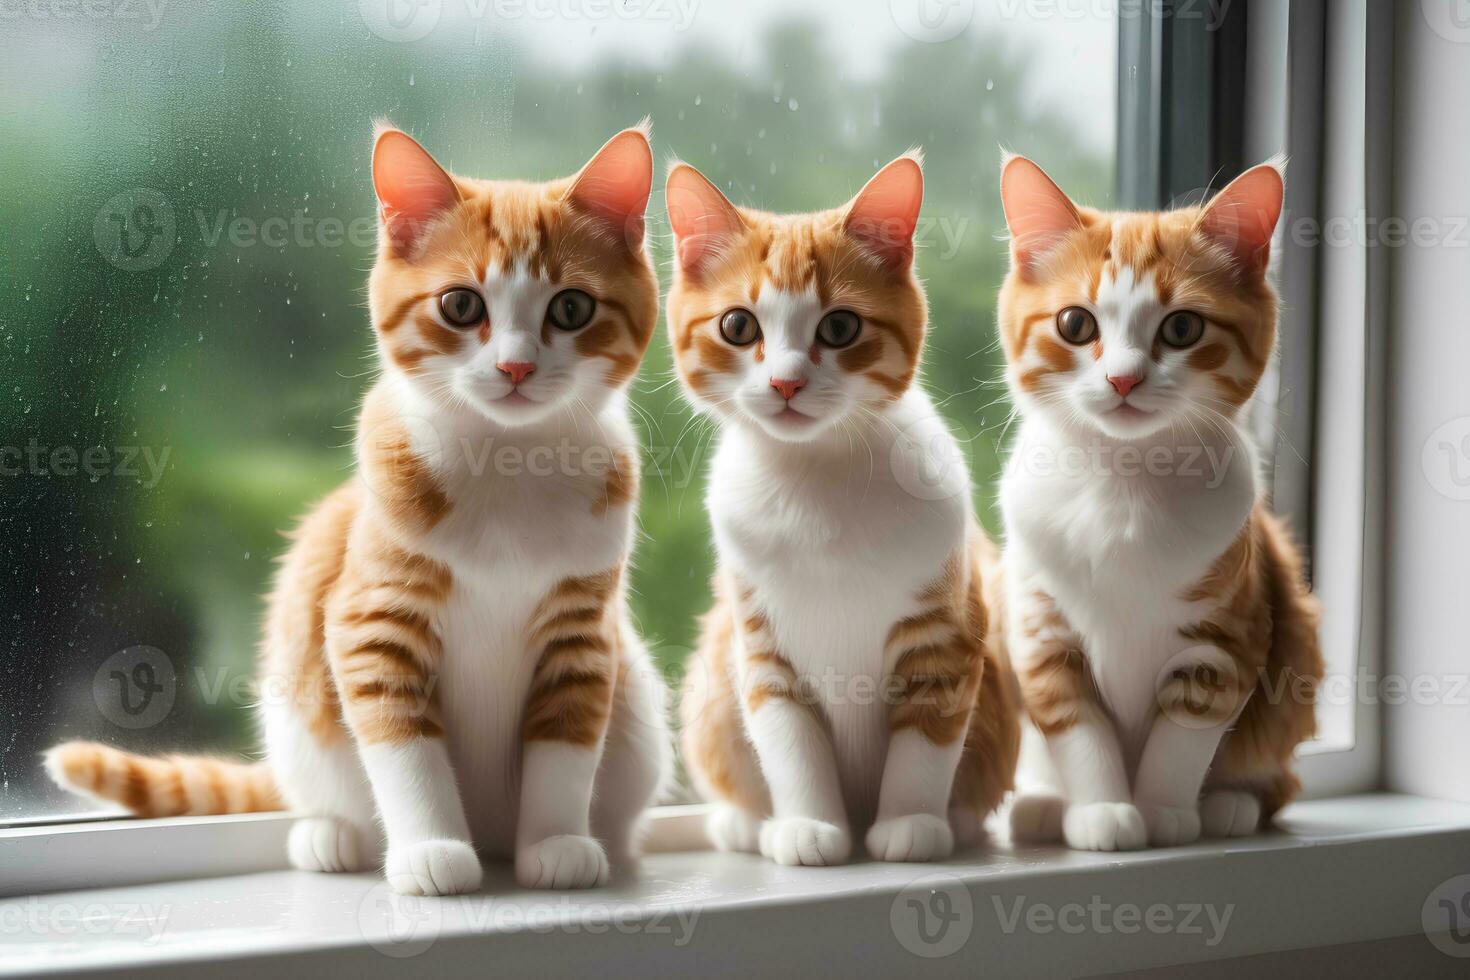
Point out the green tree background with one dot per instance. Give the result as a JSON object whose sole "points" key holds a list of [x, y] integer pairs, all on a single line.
{"points": [[245, 363]]}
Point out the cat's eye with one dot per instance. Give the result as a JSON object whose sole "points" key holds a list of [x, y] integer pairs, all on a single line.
{"points": [[1182, 329], [739, 327], [462, 307], [1076, 325], [839, 328], [571, 309]]}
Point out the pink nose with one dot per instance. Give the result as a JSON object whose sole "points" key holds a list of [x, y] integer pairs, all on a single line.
{"points": [[1124, 383], [788, 388], [518, 370]]}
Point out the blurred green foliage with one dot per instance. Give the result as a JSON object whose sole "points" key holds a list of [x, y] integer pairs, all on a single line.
{"points": [[245, 361]]}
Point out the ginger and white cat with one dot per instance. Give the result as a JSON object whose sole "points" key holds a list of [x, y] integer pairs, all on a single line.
{"points": [[846, 681], [1164, 639], [447, 651]]}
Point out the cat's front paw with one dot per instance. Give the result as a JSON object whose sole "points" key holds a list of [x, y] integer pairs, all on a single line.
{"points": [[803, 841], [325, 844], [732, 828], [1104, 827], [433, 867], [1169, 826], [912, 837], [564, 861], [1230, 813]]}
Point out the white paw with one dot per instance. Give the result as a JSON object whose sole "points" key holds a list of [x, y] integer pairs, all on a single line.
{"points": [[325, 844], [1230, 813], [967, 826], [911, 837], [1036, 818], [433, 867], [1104, 827], [803, 841], [732, 828], [1169, 826], [564, 861]]}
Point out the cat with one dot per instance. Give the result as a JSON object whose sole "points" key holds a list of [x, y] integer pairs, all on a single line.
{"points": [[847, 678], [1164, 639], [446, 645]]}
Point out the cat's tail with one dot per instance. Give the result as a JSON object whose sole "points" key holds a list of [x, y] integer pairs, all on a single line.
{"points": [[163, 786]]}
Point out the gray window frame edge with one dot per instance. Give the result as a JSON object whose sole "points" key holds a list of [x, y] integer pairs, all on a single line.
{"points": [[1199, 99]]}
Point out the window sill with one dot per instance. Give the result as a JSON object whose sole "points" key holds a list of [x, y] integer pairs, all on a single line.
{"points": [[1348, 870]]}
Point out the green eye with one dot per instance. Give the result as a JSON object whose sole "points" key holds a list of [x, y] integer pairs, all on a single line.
{"points": [[1076, 325], [839, 328], [1182, 329], [739, 327], [571, 309], [462, 307]]}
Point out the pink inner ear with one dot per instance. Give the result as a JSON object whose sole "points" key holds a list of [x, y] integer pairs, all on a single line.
{"points": [[1243, 216], [704, 222], [615, 183], [885, 212], [412, 189], [1038, 213]]}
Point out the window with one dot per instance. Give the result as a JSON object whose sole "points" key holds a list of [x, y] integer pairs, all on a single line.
{"points": [[1207, 95], [182, 335]]}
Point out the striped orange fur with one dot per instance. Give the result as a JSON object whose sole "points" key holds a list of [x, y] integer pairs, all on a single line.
{"points": [[1164, 636], [951, 679], [796, 254], [166, 786], [447, 607]]}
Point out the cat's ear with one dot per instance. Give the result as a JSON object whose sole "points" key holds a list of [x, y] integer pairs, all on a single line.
{"points": [[885, 212], [614, 185], [703, 219], [412, 189], [1243, 216], [1038, 214]]}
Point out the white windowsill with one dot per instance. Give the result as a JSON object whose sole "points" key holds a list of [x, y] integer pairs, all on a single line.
{"points": [[1342, 871]]}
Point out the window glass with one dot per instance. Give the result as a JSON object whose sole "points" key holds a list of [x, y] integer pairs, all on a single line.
{"points": [[188, 224]]}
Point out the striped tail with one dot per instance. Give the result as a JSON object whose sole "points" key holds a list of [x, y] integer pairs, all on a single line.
{"points": [[163, 786]]}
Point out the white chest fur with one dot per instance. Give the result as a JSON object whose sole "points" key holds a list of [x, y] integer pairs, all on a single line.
{"points": [[1115, 536], [838, 540], [524, 515]]}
